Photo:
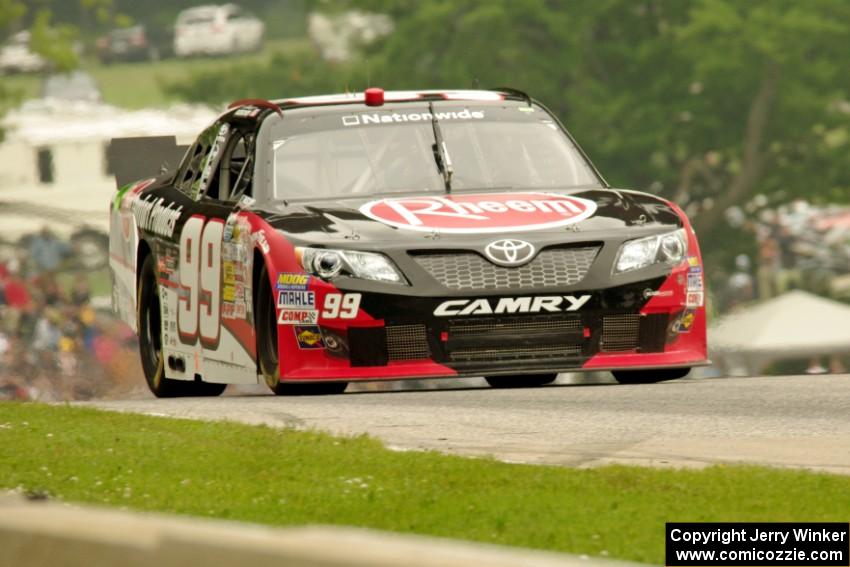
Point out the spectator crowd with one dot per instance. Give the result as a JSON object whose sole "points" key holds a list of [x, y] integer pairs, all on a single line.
{"points": [[798, 246], [54, 344]]}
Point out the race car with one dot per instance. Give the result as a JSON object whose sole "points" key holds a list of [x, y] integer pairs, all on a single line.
{"points": [[311, 242]]}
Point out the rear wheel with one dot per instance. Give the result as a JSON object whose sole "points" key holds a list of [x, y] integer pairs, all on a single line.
{"points": [[520, 380], [150, 343], [267, 349], [649, 376]]}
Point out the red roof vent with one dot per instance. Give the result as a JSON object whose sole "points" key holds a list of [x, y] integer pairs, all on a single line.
{"points": [[374, 96]]}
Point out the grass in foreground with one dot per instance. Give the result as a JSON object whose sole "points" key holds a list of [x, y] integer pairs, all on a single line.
{"points": [[285, 477]]}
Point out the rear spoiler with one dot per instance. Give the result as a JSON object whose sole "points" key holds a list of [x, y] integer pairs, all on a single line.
{"points": [[132, 159]]}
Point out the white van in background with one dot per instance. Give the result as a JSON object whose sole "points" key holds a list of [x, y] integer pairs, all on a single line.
{"points": [[217, 30]]}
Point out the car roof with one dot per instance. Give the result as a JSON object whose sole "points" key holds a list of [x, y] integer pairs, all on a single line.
{"points": [[208, 9], [256, 110], [405, 96]]}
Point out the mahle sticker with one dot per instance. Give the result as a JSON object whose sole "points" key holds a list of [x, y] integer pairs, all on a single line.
{"points": [[296, 299]]}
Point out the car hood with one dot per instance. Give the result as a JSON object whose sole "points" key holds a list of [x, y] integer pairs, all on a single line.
{"points": [[416, 218]]}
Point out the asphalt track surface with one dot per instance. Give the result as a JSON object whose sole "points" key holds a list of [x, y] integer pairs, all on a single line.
{"points": [[794, 421]]}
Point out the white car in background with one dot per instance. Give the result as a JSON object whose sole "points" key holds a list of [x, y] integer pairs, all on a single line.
{"points": [[16, 56], [217, 30]]}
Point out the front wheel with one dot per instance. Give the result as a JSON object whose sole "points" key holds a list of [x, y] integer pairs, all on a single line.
{"points": [[267, 349], [520, 380], [649, 376]]}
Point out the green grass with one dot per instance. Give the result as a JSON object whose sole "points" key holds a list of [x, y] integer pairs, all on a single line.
{"points": [[284, 477], [140, 85]]}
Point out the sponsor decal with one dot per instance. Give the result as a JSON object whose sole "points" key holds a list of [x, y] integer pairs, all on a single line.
{"points": [[399, 117], [686, 321], [296, 299], [694, 281], [694, 299], [693, 261], [152, 216], [308, 337], [260, 238], [647, 293], [480, 213], [234, 310], [341, 306], [228, 268], [538, 304], [166, 265], [509, 252], [235, 253], [287, 281], [298, 317]]}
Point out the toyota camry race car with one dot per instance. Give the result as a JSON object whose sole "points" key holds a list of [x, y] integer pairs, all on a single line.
{"points": [[314, 241]]}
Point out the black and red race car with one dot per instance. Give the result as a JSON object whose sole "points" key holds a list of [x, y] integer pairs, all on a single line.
{"points": [[315, 241]]}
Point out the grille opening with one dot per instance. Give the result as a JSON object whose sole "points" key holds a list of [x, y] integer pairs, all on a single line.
{"points": [[619, 332], [554, 266], [407, 342], [513, 352], [488, 326]]}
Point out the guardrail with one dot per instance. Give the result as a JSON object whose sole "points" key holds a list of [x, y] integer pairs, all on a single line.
{"points": [[34, 533]]}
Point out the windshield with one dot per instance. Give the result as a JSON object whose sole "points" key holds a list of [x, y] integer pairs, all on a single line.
{"points": [[393, 152]]}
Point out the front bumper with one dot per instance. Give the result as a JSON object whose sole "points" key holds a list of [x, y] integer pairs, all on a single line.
{"points": [[645, 324]]}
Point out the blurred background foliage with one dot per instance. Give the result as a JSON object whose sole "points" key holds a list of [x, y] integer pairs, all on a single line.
{"points": [[705, 102]]}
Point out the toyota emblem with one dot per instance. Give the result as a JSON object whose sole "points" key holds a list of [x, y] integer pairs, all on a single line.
{"points": [[509, 252]]}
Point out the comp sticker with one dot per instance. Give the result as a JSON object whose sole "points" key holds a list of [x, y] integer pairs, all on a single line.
{"points": [[298, 317]]}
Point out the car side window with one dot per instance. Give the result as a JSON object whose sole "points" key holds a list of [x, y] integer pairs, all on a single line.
{"points": [[190, 169], [236, 167], [203, 180]]}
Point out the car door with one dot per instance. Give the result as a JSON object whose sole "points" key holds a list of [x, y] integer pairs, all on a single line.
{"points": [[208, 266], [226, 199]]}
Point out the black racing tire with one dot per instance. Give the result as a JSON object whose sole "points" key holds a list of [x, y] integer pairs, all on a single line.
{"points": [[150, 335], [649, 376], [520, 380], [267, 351], [150, 343]]}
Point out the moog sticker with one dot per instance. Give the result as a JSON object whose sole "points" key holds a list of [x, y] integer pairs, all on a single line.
{"points": [[286, 281]]}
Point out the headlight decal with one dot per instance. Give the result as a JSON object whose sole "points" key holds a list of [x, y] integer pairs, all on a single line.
{"points": [[670, 248], [328, 263]]}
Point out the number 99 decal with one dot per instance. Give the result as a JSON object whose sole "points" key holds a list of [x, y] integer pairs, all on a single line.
{"points": [[341, 306], [199, 298]]}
